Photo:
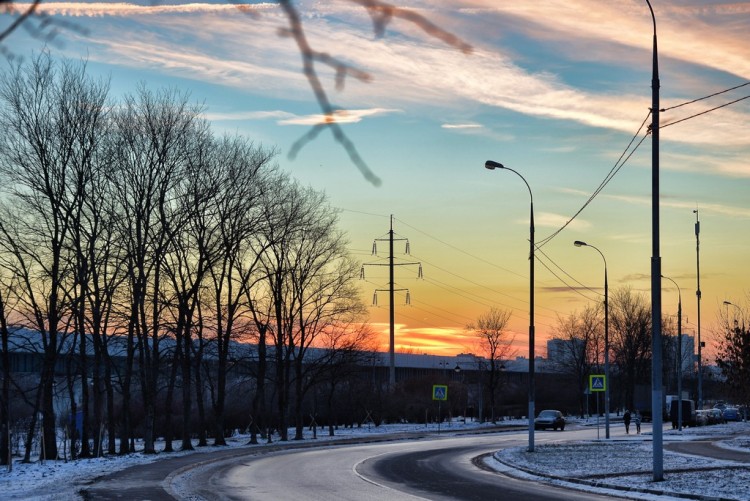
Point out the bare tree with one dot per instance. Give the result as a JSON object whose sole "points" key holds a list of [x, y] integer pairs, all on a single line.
{"points": [[5, 285], [733, 358], [496, 343], [381, 13], [630, 331], [348, 348], [324, 294], [153, 134], [105, 269], [580, 337], [244, 173], [51, 117]]}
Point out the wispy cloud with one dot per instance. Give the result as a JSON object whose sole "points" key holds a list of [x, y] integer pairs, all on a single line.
{"points": [[709, 36], [339, 117], [99, 9], [413, 71], [727, 210], [461, 126], [251, 115], [550, 220]]}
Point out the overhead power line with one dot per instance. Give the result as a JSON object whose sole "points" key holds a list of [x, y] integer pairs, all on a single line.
{"points": [[624, 157], [706, 111], [621, 162], [707, 97]]}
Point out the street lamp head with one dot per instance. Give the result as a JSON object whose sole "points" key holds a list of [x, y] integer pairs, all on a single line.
{"points": [[727, 303], [457, 369], [578, 243], [492, 165]]}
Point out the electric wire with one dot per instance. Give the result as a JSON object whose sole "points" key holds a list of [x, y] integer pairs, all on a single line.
{"points": [[706, 97], [400, 293], [705, 111], [490, 263], [574, 289], [491, 301], [410, 305], [620, 163], [610, 175]]}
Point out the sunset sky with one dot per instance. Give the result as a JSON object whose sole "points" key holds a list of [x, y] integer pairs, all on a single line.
{"points": [[553, 89]]}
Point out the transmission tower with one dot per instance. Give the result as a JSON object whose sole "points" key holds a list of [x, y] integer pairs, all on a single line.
{"points": [[391, 291]]}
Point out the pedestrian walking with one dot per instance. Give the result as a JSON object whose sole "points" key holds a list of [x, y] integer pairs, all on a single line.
{"points": [[626, 420], [637, 420]]}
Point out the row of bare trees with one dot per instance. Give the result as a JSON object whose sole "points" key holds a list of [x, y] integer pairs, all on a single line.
{"points": [[583, 345], [130, 232]]}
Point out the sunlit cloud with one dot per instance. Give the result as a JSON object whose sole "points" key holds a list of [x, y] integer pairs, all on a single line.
{"points": [[418, 71], [461, 126], [250, 115], [550, 220], [741, 212], [99, 9], [338, 116], [708, 36]]}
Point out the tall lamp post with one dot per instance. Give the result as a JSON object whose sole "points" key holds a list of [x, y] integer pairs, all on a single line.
{"points": [[679, 353], [656, 353], [579, 243], [492, 165]]}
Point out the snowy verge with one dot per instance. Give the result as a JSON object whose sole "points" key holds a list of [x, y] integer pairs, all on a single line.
{"points": [[626, 465]]}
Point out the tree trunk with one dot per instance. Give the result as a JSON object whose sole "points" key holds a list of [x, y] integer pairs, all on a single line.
{"points": [[168, 414]]}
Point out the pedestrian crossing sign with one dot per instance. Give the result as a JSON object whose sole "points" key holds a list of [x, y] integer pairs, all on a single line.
{"points": [[597, 382], [439, 392]]}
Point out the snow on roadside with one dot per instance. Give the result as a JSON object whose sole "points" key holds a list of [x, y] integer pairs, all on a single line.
{"points": [[628, 464], [624, 463], [60, 480]]}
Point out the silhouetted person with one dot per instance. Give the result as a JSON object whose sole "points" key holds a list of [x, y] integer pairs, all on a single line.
{"points": [[637, 420], [626, 420]]}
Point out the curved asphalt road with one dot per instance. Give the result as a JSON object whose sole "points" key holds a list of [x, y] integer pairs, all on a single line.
{"points": [[706, 448], [438, 468]]}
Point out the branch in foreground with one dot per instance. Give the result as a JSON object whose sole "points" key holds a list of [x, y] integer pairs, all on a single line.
{"points": [[381, 14]]}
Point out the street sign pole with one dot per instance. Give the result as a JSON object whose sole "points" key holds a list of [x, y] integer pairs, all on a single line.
{"points": [[597, 383]]}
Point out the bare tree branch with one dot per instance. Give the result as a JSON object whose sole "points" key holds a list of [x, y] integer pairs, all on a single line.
{"points": [[381, 14], [8, 7]]}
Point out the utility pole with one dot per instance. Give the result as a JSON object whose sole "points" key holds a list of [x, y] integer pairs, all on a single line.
{"points": [[391, 294]]}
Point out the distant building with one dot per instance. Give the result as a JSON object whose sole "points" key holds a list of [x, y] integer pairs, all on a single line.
{"points": [[562, 352], [689, 357]]}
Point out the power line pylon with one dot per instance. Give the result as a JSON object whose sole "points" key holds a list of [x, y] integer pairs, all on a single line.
{"points": [[391, 290]]}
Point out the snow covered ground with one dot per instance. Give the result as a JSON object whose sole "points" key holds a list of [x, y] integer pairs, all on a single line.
{"points": [[627, 464], [623, 461]]}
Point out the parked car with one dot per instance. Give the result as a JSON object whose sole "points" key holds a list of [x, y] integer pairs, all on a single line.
{"points": [[701, 417], [715, 416], [549, 419], [732, 414]]}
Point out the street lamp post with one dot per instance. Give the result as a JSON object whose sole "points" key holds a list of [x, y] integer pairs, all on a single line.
{"points": [[679, 353], [727, 303], [656, 352], [579, 243], [492, 165]]}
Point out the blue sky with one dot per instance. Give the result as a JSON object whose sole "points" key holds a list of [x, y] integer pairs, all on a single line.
{"points": [[552, 89]]}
